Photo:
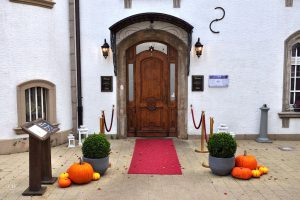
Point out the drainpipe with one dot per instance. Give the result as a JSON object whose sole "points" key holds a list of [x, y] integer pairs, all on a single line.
{"points": [[78, 61]]}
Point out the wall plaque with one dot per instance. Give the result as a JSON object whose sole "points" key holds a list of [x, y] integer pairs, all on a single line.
{"points": [[197, 83], [106, 83], [218, 81]]}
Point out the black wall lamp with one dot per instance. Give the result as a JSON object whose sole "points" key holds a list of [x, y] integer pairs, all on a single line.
{"points": [[105, 49], [198, 48]]}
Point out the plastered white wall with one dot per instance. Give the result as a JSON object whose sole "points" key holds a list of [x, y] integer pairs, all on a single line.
{"points": [[249, 49], [34, 44]]}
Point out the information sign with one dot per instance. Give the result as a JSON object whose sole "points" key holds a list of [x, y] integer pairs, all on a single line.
{"points": [[40, 170], [218, 81]]}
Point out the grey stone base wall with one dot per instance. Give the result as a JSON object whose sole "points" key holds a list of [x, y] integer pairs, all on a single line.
{"points": [[22, 144], [287, 137]]}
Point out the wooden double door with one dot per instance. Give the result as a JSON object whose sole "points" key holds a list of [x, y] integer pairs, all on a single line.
{"points": [[152, 93]]}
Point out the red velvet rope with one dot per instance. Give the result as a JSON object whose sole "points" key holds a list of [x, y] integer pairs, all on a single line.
{"points": [[111, 120], [196, 127]]}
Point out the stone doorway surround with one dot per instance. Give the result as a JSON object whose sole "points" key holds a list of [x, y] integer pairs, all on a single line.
{"points": [[141, 30]]}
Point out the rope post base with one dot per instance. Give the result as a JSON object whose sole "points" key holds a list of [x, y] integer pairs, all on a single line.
{"points": [[200, 151]]}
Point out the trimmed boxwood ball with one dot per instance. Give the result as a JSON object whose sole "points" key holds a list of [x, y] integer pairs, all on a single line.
{"points": [[222, 145], [96, 146]]}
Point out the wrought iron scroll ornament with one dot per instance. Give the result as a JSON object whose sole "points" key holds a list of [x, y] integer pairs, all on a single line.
{"points": [[216, 20]]}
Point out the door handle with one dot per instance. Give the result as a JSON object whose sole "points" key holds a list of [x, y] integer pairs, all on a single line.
{"points": [[151, 108]]}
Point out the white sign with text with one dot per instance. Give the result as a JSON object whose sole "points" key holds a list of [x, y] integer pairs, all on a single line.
{"points": [[218, 81]]}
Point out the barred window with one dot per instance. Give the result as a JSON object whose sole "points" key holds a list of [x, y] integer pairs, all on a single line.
{"points": [[36, 99]]}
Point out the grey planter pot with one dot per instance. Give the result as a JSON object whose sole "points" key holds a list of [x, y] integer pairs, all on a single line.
{"points": [[221, 166], [99, 165]]}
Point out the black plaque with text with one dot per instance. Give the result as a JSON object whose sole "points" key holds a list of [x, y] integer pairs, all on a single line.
{"points": [[197, 83], [106, 83]]}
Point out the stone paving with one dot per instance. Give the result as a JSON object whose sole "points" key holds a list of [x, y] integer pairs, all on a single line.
{"points": [[197, 182]]}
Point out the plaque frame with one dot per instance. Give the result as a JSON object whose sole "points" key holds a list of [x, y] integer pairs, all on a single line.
{"points": [[106, 84], [197, 83]]}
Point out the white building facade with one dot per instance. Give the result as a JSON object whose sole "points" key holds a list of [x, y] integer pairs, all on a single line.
{"points": [[256, 49]]}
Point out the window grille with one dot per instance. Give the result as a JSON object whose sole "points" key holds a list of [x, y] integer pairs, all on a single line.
{"points": [[36, 99]]}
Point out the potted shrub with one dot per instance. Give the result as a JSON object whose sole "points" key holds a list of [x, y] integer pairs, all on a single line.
{"points": [[221, 147], [96, 150]]}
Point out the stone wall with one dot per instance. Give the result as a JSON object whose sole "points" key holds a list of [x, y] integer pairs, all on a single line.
{"points": [[249, 48], [34, 45]]}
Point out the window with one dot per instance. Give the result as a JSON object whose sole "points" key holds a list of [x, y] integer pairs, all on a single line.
{"points": [[130, 82], [172, 81], [155, 45], [41, 3], [291, 79], [36, 99], [176, 3], [295, 77], [289, 3]]}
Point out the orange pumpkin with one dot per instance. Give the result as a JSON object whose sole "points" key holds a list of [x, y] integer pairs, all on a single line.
{"points": [[241, 173], [64, 182], [246, 161], [81, 172]]}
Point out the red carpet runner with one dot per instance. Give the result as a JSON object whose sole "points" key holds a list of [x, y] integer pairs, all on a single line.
{"points": [[155, 156]]}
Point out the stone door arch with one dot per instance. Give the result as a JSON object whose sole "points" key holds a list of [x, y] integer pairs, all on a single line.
{"points": [[165, 33]]}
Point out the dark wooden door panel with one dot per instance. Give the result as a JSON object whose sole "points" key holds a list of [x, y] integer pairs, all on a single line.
{"points": [[151, 80], [152, 119], [131, 121], [151, 69], [152, 113]]}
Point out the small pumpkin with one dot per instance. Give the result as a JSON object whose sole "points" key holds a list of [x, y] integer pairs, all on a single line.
{"points": [[246, 161], [241, 173], [96, 176], [263, 170], [64, 175], [81, 172], [256, 173], [64, 182]]}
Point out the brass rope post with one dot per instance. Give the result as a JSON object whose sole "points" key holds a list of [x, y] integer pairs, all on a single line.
{"points": [[203, 132], [211, 127], [102, 130]]}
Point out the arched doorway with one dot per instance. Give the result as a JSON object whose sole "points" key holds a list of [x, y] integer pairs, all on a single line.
{"points": [[147, 27], [151, 90]]}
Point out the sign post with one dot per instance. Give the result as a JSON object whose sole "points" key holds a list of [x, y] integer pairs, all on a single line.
{"points": [[40, 170]]}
